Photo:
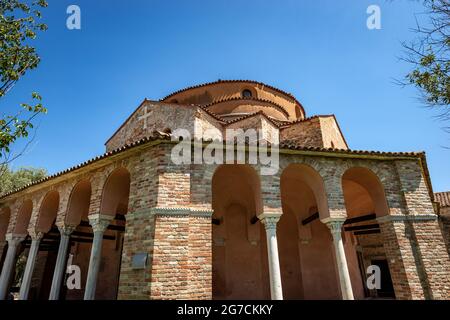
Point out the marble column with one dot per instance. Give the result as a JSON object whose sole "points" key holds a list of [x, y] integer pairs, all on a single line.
{"points": [[99, 224], [58, 274], [335, 226], [270, 224], [29, 268], [10, 261]]}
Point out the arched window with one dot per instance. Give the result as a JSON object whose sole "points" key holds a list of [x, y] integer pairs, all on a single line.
{"points": [[246, 93]]}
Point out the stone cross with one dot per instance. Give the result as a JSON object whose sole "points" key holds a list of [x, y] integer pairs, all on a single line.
{"points": [[144, 117]]}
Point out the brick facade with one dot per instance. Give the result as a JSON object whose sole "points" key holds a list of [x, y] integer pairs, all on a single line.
{"points": [[167, 213]]}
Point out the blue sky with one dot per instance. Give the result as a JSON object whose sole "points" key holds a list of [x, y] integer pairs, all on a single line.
{"points": [[321, 51]]}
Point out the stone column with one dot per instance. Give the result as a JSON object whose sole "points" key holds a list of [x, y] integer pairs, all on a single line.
{"points": [[335, 226], [99, 224], [13, 242], [58, 274], [270, 223], [31, 260]]}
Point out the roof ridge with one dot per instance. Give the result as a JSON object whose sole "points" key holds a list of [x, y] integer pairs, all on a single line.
{"points": [[260, 112], [157, 135], [308, 119]]}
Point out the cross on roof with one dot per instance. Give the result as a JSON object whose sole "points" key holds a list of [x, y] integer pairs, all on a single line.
{"points": [[144, 117]]}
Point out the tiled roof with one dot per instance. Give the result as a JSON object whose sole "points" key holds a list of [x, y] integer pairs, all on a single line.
{"points": [[235, 81], [443, 198], [288, 123], [160, 136], [250, 115]]}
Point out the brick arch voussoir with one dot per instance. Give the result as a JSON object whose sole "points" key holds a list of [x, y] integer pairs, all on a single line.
{"points": [[65, 191]]}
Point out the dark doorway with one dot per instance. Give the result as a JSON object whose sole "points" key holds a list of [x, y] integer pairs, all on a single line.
{"points": [[387, 289]]}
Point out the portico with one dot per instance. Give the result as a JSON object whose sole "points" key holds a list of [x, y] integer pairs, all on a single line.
{"points": [[141, 226]]}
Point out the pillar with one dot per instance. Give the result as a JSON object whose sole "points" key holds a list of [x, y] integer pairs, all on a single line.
{"points": [[31, 260], [270, 224], [99, 224], [335, 226], [58, 274], [8, 267]]}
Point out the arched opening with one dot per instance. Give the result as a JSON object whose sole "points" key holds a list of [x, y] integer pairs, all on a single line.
{"points": [[81, 238], [365, 201], [240, 268], [23, 218], [115, 203], [5, 214], [306, 252], [21, 228], [116, 192], [78, 206], [48, 247]]}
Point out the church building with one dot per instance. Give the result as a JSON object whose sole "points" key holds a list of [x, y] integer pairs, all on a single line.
{"points": [[329, 223]]}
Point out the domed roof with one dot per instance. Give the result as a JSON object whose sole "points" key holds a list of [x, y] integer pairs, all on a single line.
{"points": [[233, 98]]}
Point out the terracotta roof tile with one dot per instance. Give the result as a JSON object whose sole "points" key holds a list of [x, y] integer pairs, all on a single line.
{"points": [[160, 136], [443, 198]]}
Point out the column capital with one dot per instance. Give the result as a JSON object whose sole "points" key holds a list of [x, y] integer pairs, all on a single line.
{"points": [[100, 222], [65, 229], [269, 220], [35, 235], [14, 239], [334, 224]]}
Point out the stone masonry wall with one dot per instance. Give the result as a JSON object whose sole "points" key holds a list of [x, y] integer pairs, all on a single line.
{"points": [[306, 133], [160, 116], [169, 218]]}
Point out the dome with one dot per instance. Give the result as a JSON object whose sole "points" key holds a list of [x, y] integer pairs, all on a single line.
{"points": [[234, 98]]}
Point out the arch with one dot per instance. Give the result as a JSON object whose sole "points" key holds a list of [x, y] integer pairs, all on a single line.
{"points": [[236, 200], [48, 211], [115, 191], [307, 264], [307, 175], [224, 176], [79, 201], [363, 188], [23, 217], [5, 214]]}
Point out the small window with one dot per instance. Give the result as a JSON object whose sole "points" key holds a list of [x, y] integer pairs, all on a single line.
{"points": [[246, 93]]}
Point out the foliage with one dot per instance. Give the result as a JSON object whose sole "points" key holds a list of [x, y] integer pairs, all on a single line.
{"points": [[429, 54], [19, 26], [11, 180]]}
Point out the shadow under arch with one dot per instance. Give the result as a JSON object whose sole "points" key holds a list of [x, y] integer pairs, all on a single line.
{"points": [[361, 184], [23, 218], [47, 211], [116, 191], [239, 250], [365, 201], [79, 202], [305, 246], [114, 202]]}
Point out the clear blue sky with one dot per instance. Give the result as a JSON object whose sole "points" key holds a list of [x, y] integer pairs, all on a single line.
{"points": [[320, 51]]}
